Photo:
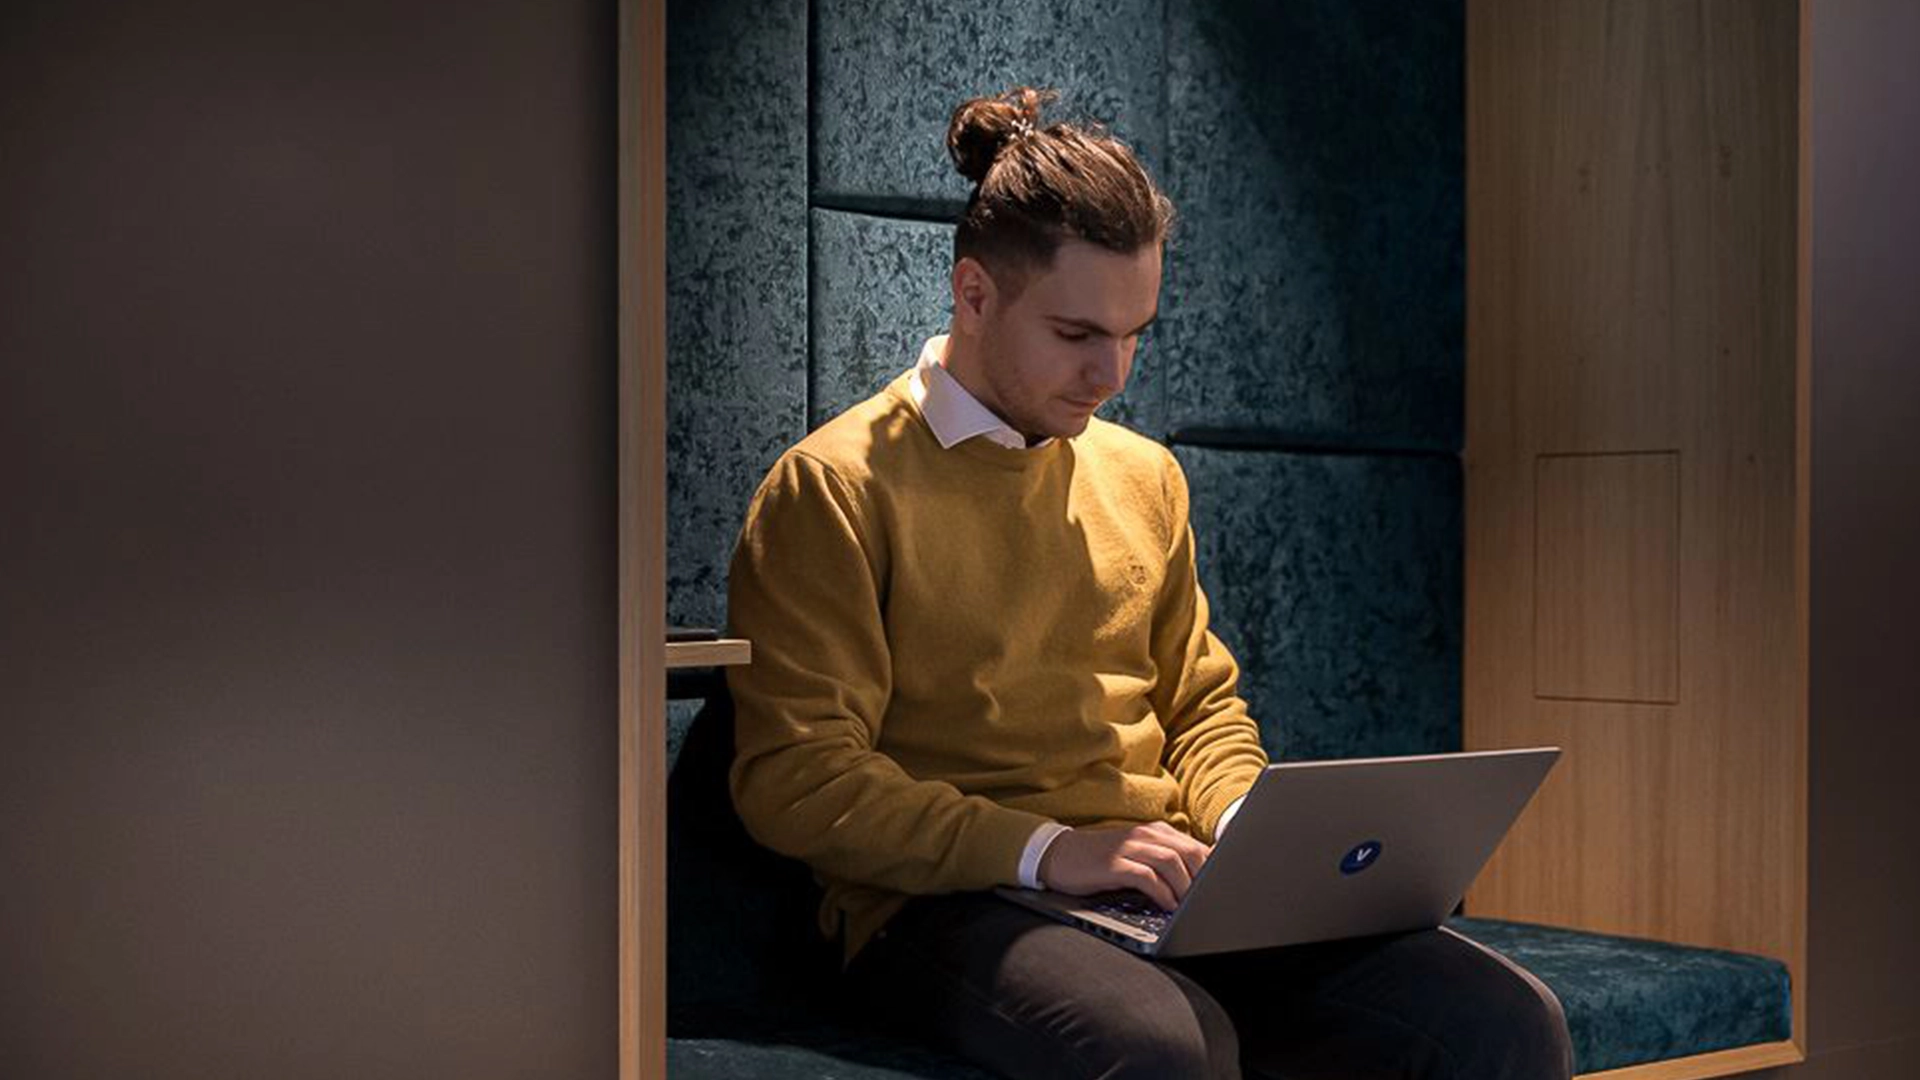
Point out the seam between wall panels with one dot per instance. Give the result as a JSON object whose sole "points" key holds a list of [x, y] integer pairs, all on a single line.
{"points": [[1281, 442], [813, 97], [1165, 418], [895, 207], [807, 290], [813, 167]]}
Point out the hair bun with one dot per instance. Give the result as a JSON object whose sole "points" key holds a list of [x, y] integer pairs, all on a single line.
{"points": [[983, 126]]}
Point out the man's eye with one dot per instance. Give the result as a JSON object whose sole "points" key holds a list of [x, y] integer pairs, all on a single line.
{"points": [[1080, 336]]}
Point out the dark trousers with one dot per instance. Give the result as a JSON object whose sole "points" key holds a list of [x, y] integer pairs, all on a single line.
{"points": [[1027, 997]]}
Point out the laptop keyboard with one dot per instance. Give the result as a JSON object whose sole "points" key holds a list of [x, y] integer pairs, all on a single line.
{"points": [[1134, 910]]}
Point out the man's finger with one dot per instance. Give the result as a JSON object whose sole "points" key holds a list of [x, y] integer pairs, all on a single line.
{"points": [[1192, 851], [1142, 879], [1163, 861]]}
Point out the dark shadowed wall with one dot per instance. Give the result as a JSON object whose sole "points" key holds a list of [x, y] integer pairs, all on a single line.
{"points": [[307, 578], [1864, 885]]}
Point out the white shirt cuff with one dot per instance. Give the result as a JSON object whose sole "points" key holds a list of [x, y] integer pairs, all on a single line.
{"points": [[1037, 844], [1220, 828]]}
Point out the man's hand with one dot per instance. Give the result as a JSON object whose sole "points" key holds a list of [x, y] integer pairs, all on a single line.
{"points": [[1155, 859]]}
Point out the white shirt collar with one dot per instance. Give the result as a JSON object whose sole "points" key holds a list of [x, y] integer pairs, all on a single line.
{"points": [[954, 414]]}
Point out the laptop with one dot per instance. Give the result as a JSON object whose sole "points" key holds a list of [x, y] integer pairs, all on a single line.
{"points": [[1328, 849]]}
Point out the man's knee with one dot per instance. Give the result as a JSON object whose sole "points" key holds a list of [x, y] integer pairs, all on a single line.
{"points": [[1524, 1037], [1197, 1040], [1540, 1045], [1505, 1023]]}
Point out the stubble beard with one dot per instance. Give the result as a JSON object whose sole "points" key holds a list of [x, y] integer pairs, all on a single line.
{"points": [[1007, 392]]}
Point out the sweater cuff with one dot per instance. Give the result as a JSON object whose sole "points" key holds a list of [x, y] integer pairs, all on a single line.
{"points": [[1037, 845], [1226, 816], [1217, 805], [992, 849]]}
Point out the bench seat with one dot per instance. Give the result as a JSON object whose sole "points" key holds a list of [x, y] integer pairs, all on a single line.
{"points": [[749, 980], [1628, 1001], [1634, 1000]]}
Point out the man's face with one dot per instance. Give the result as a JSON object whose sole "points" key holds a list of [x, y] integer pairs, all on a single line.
{"points": [[1065, 344]]}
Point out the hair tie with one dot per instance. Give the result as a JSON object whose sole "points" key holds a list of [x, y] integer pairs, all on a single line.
{"points": [[1022, 126]]}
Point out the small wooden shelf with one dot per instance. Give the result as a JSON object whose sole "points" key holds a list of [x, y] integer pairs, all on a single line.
{"points": [[726, 652]]}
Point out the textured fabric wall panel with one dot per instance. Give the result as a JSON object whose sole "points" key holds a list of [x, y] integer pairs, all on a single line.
{"points": [[680, 716], [880, 288], [736, 275], [1335, 581], [888, 76], [1315, 287]]}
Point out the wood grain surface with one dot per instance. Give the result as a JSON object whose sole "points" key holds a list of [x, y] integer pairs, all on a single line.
{"points": [[1633, 254]]}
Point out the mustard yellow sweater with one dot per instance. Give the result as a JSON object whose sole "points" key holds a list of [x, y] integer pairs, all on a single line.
{"points": [[953, 646]]}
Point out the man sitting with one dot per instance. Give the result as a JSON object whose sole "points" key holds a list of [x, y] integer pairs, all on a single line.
{"points": [[982, 658]]}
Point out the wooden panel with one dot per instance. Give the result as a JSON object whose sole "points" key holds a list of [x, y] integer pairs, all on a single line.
{"points": [[1803, 486], [1699, 1066], [1631, 287], [643, 539], [1606, 576]]}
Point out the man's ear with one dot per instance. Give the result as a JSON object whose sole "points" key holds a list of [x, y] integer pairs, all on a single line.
{"points": [[973, 293]]}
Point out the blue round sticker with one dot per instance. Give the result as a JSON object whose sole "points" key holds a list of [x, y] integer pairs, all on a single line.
{"points": [[1361, 857]]}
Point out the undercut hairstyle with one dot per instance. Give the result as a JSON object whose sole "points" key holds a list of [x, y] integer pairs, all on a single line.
{"points": [[1034, 186]]}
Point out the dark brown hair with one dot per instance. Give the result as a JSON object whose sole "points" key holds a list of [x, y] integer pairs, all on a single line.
{"points": [[1035, 186]]}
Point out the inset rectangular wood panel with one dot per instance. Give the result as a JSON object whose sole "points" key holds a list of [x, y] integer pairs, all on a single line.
{"points": [[1607, 577]]}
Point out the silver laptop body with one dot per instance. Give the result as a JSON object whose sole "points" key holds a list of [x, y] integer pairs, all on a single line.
{"points": [[1329, 849]]}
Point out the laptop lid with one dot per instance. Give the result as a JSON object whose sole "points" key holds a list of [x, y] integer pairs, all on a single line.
{"points": [[1335, 849]]}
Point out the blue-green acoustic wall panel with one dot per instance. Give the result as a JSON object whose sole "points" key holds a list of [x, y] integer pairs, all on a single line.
{"points": [[887, 77], [1315, 289], [736, 275], [879, 292], [1335, 581]]}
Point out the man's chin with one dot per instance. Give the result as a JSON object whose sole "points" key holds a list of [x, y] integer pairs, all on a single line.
{"points": [[1067, 429], [1058, 424]]}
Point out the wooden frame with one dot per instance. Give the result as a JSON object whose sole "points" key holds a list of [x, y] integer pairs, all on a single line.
{"points": [[642, 118], [1701, 1066], [1803, 482], [643, 657]]}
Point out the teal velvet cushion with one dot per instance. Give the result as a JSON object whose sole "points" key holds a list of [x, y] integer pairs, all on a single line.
{"points": [[1632, 1000], [825, 1054]]}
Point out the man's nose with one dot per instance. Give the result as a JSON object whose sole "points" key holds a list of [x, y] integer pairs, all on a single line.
{"points": [[1107, 372]]}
